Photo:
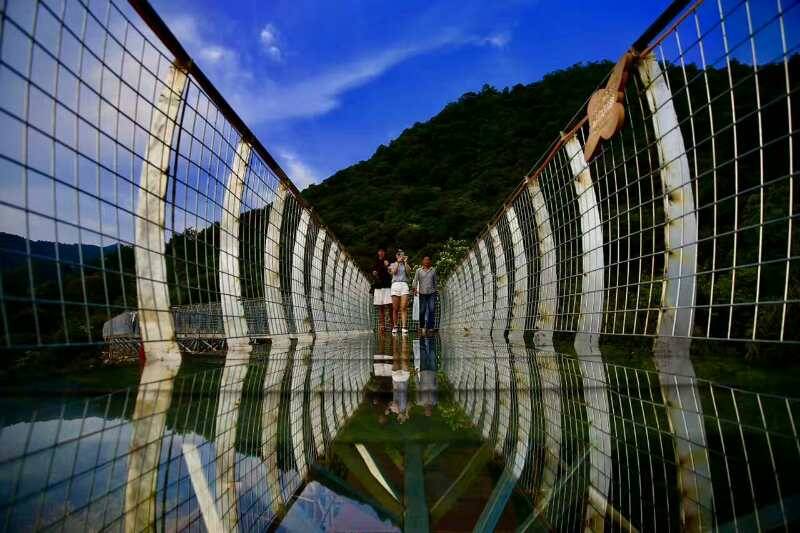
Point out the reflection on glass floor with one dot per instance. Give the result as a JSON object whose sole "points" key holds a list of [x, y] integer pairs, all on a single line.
{"points": [[388, 433]]}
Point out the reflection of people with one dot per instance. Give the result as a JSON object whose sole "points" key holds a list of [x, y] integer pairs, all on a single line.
{"points": [[400, 377], [425, 285], [399, 271], [382, 297], [426, 391], [382, 361]]}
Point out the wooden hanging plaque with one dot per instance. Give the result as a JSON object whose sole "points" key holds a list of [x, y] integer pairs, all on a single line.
{"points": [[605, 111]]}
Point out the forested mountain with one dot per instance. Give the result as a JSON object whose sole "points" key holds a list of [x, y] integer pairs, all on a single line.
{"points": [[446, 177]]}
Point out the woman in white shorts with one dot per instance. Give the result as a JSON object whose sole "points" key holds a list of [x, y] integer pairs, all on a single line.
{"points": [[383, 293], [399, 291]]}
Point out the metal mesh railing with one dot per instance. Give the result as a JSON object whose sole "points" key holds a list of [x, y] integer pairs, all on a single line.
{"points": [[221, 449], [682, 224], [719, 458], [130, 185]]}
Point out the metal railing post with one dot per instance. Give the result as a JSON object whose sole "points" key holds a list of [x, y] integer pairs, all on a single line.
{"points": [[587, 338], [547, 303], [237, 339], [276, 313], [519, 304], [155, 319], [501, 285], [299, 290], [487, 310], [318, 283], [676, 315], [163, 357]]}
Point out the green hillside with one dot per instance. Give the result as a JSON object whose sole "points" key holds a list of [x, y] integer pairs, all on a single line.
{"points": [[446, 177]]}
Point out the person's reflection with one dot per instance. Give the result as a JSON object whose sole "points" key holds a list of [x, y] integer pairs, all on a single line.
{"points": [[426, 374], [381, 365], [400, 376]]}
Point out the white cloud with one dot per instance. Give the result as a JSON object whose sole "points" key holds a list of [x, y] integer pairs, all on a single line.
{"points": [[269, 39], [321, 93], [275, 53], [268, 35], [260, 98], [497, 40], [300, 173], [212, 53]]}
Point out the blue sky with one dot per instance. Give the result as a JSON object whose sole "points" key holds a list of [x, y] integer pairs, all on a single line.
{"points": [[323, 84]]}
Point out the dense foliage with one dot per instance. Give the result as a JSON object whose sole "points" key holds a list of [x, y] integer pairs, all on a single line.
{"points": [[446, 177]]}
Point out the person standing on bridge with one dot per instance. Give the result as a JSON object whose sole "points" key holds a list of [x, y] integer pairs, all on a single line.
{"points": [[399, 271], [382, 297], [425, 284]]}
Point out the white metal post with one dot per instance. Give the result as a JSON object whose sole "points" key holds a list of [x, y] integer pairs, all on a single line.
{"points": [[330, 288], [501, 286], [487, 311], [547, 303], [299, 292], [236, 336], [155, 320], [317, 282], [676, 315], [519, 303], [587, 345], [276, 313]]}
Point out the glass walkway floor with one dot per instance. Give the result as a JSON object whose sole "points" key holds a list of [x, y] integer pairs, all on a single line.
{"points": [[387, 433]]}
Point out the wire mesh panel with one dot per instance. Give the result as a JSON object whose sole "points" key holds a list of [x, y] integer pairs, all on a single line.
{"points": [[130, 186], [751, 441], [695, 195], [148, 457]]}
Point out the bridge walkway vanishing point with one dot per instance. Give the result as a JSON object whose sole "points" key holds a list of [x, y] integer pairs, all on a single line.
{"points": [[139, 210]]}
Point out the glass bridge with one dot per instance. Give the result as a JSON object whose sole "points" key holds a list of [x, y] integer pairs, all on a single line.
{"points": [[615, 351]]}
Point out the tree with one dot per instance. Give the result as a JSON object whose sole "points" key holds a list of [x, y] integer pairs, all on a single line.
{"points": [[451, 254]]}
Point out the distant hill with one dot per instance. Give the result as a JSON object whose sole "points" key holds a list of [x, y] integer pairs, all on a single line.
{"points": [[446, 177], [13, 251]]}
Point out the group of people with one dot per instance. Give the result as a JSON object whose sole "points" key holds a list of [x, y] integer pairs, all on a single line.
{"points": [[392, 287]]}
